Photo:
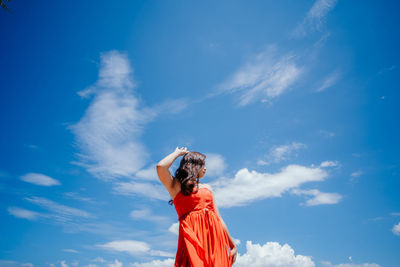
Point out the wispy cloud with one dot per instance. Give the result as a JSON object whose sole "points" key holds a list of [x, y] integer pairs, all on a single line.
{"points": [[108, 135], [151, 190], [315, 18], [7, 263], [23, 213], [39, 179], [70, 250], [133, 247], [215, 164], [350, 264], [61, 212], [248, 186], [329, 81], [264, 77], [147, 215], [318, 198], [281, 153], [155, 263]]}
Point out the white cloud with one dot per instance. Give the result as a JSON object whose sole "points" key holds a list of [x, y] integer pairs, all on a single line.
{"points": [[396, 229], [23, 213], [281, 153], [328, 264], [133, 247], [7, 263], [155, 263], [146, 214], [329, 81], [108, 133], [329, 163], [151, 190], [356, 173], [116, 263], [61, 212], [70, 250], [174, 228], [63, 264], [319, 198], [248, 186], [39, 179], [215, 164], [99, 259], [150, 173], [265, 77], [272, 254], [315, 18]]}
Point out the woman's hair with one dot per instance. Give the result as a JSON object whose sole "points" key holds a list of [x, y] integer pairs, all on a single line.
{"points": [[188, 172]]}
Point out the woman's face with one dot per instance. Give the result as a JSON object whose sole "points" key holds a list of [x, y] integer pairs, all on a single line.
{"points": [[202, 171]]}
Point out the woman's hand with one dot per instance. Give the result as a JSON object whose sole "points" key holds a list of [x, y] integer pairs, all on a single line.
{"points": [[181, 151], [233, 253]]}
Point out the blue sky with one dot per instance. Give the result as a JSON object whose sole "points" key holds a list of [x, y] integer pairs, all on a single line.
{"points": [[294, 103]]}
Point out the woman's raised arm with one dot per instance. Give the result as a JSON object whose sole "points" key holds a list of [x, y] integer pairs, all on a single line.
{"points": [[163, 168]]}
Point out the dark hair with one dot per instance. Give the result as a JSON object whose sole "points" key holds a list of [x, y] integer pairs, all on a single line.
{"points": [[188, 172]]}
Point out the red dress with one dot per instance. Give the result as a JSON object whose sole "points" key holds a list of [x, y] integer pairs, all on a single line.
{"points": [[202, 238]]}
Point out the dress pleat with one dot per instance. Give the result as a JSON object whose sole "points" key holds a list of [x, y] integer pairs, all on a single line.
{"points": [[202, 240]]}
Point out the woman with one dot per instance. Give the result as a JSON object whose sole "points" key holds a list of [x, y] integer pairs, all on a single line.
{"points": [[203, 239]]}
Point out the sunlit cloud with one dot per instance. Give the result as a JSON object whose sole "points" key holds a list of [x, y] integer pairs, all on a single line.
{"points": [[215, 164], [318, 198], [281, 153], [133, 247], [150, 190], [23, 213], [350, 264], [315, 18], [249, 186], [264, 77], [108, 134], [39, 179], [396, 229], [329, 81]]}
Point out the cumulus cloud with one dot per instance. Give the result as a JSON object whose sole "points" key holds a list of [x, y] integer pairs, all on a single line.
{"points": [[272, 254], [315, 18], [39, 179], [133, 247], [174, 228], [248, 186], [396, 229], [215, 164], [281, 153], [264, 77], [23, 213], [318, 198], [116, 263]]}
